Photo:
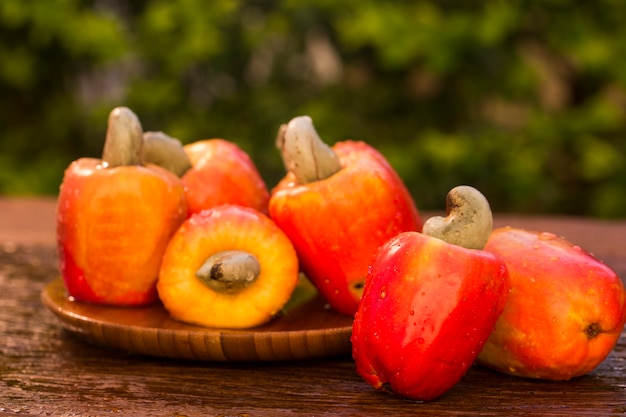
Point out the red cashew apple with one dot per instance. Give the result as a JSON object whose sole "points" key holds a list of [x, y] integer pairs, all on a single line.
{"points": [[115, 216], [429, 305], [227, 267], [213, 172], [565, 313], [337, 206], [222, 173]]}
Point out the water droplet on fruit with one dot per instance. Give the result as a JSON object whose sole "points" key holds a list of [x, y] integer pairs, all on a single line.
{"points": [[420, 340], [553, 319], [533, 279], [577, 248], [383, 294], [412, 312], [554, 258], [546, 236]]}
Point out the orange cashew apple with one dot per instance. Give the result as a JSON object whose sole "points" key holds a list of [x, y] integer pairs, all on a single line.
{"points": [[115, 216], [565, 312], [227, 267]]}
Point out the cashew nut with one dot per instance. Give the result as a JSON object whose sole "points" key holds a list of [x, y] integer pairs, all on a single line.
{"points": [[165, 151], [229, 271], [468, 220], [304, 153], [124, 139]]}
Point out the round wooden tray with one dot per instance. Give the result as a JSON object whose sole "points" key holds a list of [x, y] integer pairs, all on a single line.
{"points": [[307, 329]]}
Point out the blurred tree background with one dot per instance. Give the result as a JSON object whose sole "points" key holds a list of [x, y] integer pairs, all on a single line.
{"points": [[524, 100]]}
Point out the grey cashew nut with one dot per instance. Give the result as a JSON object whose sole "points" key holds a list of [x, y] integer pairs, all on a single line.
{"points": [[304, 153], [468, 220], [165, 151], [124, 139], [229, 271]]}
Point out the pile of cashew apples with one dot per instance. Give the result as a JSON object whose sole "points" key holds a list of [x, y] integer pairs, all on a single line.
{"points": [[195, 227]]}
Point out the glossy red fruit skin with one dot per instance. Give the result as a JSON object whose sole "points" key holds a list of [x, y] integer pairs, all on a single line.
{"points": [[222, 173], [337, 224], [565, 313], [427, 309]]}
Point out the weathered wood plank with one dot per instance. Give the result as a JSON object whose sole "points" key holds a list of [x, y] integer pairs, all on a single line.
{"points": [[46, 370]]}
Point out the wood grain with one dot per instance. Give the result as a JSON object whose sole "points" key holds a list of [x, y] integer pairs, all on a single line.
{"points": [[46, 370], [307, 330]]}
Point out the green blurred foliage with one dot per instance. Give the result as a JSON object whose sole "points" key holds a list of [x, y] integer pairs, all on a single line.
{"points": [[524, 100]]}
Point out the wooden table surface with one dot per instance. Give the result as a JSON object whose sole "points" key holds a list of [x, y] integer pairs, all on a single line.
{"points": [[46, 370]]}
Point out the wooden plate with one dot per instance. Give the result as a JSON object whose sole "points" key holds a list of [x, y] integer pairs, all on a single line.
{"points": [[307, 329]]}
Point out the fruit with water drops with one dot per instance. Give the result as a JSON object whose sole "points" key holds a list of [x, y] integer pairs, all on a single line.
{"points": [[429, 305], [338, 205], [565, 313], [115, 216]]}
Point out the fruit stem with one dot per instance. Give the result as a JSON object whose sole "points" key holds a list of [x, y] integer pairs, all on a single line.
{"points": [[165, 151], [304, 153], [123, 144], [468, 220], [229, 271]]}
